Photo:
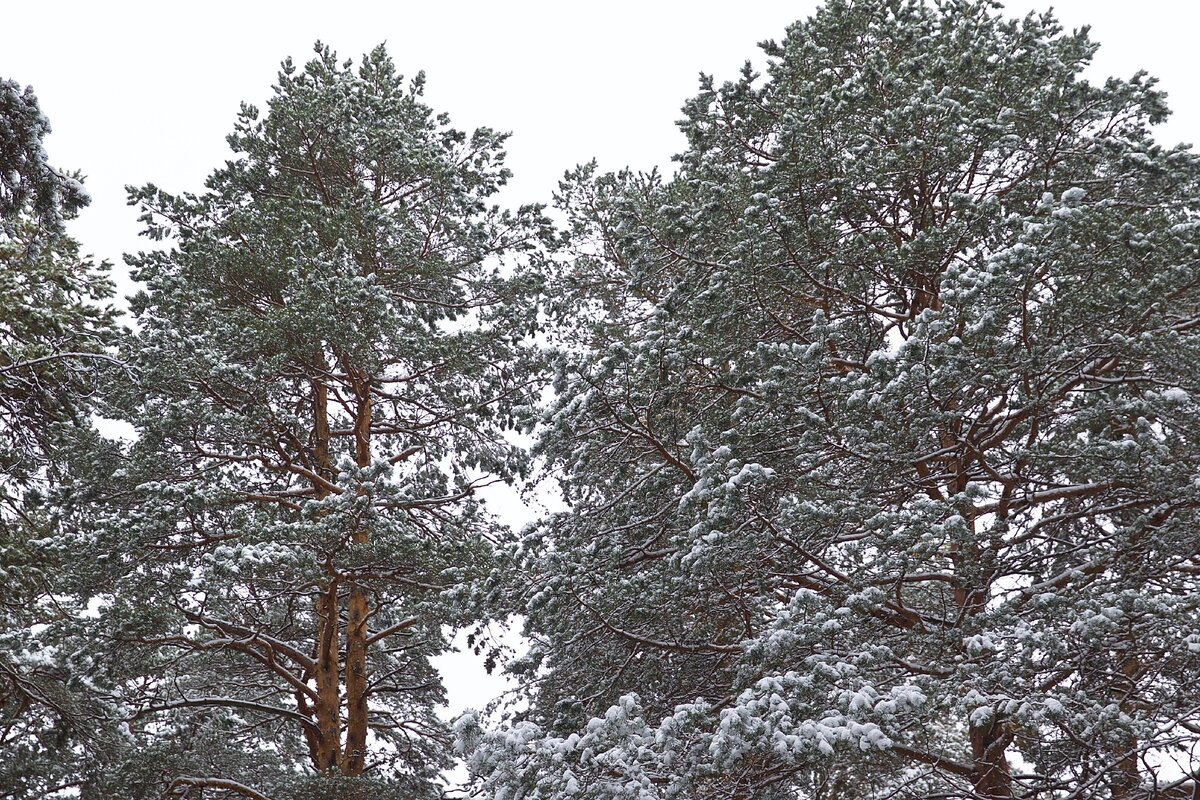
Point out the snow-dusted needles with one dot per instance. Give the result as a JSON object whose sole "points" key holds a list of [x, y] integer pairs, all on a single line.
{"points": [[854, 457]]}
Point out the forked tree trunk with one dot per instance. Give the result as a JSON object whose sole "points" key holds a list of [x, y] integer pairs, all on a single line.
{"points": [[327, 750]]}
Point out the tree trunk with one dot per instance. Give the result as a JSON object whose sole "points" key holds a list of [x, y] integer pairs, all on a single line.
{"points": [[328, 703], [992, 776], [1127, 780], [358, 610], [327, 706], [988, 742]]}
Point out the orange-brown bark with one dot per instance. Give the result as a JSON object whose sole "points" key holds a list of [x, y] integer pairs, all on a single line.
{"points": [[327, 706], [991, 777], [324, 746], [358, 610]]}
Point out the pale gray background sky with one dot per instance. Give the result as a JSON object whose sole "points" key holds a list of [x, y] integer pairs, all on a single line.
{"points": [[146, 91]]}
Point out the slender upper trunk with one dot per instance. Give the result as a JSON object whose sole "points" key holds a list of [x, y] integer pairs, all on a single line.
{"points": [[992, 775], [358, 610], [1127, 780], [989, 740]]}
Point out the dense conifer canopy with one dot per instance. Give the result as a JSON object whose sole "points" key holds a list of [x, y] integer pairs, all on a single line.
{"points": [[879, 444], [874, 426]]}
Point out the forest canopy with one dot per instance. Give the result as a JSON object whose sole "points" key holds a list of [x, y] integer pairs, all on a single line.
{"points": [[874, 427]]}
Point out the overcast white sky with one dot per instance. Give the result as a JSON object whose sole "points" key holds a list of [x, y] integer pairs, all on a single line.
{"points": [[146, 91]]}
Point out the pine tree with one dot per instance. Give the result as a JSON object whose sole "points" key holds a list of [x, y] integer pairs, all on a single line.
{"points": [[878, 431], [328, 357]]}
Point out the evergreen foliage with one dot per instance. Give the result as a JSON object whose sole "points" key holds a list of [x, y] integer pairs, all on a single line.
{"points": [[55, 331], [329, 358], [29, 186], [877, 426]]}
